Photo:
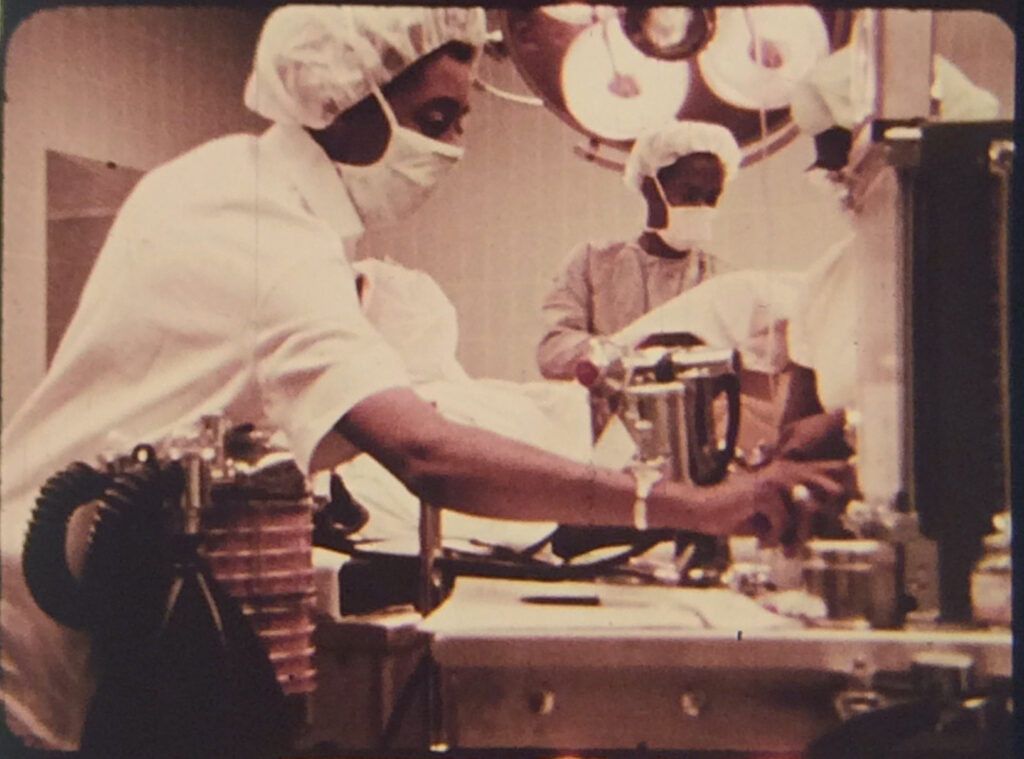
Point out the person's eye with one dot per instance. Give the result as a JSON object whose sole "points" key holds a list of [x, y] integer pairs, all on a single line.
{"points": [[439, 118], [435, 123]]}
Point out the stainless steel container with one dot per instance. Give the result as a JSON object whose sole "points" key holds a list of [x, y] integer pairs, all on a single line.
{"points": [[681, 406], [855, 579]]}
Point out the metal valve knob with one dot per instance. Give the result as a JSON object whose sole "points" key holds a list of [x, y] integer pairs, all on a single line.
{"points": [[542, 702], [693, 702]]}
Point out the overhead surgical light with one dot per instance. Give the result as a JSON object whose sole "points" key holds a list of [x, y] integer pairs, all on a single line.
{"points": [[613, 90], [758, 53], [669, 33], [609, 71]]}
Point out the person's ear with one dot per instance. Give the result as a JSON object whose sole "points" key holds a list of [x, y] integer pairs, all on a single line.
{"points": [[657, 214], [358, 135]]}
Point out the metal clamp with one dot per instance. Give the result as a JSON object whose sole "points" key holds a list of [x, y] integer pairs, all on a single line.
{"points": [[1000, 157], [429, 595]]}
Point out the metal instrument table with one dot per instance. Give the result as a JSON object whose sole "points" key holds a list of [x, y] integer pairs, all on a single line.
{"points": [[630, 670]]}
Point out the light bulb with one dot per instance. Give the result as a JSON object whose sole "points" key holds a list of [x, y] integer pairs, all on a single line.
{"points": [[665, 27]]}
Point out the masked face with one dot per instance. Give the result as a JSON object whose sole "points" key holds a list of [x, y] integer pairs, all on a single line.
{"points": [[399, 182], [689, 190], [688, 226]]}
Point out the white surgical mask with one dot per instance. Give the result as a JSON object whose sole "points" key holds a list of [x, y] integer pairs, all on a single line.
{"points": [[688, 227], [399, 182]]}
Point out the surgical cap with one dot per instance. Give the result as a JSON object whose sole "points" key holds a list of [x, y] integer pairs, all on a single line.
{"points": [[662, 146], [825, 98], [313, 62]]}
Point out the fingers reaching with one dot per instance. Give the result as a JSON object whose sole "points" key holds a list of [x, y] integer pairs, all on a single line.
{"points": [[815, 437], [791, 496]]}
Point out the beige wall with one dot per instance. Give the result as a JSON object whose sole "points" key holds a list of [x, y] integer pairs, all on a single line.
{"points": [[129, 85]]}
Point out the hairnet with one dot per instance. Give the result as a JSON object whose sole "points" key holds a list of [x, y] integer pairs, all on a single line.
{"points": [[825, 98], [313, 62], [662, 146]]}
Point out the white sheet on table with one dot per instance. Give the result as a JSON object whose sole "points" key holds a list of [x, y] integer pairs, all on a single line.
{"points": [[811, 317], [554, 416], [483, 605], [415, 317]]}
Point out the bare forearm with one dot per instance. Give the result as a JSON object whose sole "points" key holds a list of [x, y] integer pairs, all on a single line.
{"points": [[478, 472], [481, 473]]}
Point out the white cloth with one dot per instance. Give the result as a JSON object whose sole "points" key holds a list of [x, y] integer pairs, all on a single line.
{"points": [[810, 317], [959, 98], [825, 323], [554, 416], [313, 62], [744, 309], [484, 607], [661, 146], [414, 315], [826, 96], [217, 291]]}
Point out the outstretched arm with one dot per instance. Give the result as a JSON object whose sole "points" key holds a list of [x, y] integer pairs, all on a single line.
{"points": [[477, 472]]}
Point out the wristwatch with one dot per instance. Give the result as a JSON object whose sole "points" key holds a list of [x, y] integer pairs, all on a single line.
{"points": [[646, 476]]}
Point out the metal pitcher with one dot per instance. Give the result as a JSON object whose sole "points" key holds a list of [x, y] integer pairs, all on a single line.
{"points": [[681, 404]]}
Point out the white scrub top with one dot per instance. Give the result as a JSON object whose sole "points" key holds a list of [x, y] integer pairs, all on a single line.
{"points": [[223, 287]]}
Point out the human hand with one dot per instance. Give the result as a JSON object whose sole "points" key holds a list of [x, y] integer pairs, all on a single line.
{"points": [[815, 437], [786, 502]]}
